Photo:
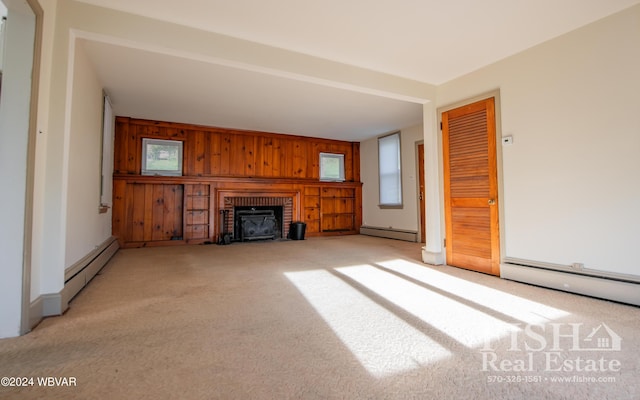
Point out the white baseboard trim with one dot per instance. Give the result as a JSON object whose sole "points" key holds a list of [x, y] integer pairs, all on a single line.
{"points": [[76, 278], [389, 233], [35, 312], [432, 258], [604, 288], [44, 306], [569, 269]]}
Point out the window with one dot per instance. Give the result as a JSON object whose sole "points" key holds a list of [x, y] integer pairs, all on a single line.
{"points": [[106, 162], [161, 157], [331, 167], [389, 168]]}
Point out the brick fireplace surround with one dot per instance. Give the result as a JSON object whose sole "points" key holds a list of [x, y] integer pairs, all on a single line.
{"points": [[286, 200]]}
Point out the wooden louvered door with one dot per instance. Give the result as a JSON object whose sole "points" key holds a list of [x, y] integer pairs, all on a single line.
{"points": [[471, 187]]}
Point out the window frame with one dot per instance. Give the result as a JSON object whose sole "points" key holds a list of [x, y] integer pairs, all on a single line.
{"points": [[106, 154], [341, 175], [390, 205], [155, 172]]}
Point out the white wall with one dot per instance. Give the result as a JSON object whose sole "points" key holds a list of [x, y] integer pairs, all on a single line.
{"points": [[52, 155], [572, 177], [14, 136], [86, 228], [3, 13], [46, 55], [372, 215], [67, 225]]}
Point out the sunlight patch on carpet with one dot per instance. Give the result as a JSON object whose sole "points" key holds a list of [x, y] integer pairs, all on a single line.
{"points": [[383, 343], [518, 308], [464, 324]]}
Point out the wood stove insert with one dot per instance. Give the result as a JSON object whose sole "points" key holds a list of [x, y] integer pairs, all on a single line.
{"points": [[257, 223]]}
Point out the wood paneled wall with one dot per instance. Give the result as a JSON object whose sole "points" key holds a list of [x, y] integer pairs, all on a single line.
{"points": [[210, 151], [218, 163]]}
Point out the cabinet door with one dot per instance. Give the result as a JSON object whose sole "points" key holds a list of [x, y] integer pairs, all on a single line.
{"points": [[154, 212]]}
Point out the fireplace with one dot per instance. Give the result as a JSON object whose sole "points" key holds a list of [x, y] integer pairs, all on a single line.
{"points": [[253, 207], [257, 222]]}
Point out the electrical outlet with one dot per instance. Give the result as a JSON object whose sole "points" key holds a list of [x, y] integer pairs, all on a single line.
{"points": [[577, 266]]}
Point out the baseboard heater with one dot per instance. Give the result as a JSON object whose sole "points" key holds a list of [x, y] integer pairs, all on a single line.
{"points": [[389, 233], [79, 274], [76, 277], [616, 287]]}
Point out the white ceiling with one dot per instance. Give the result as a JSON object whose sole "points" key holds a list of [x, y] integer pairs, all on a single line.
{"points": [[431, 41], [157, 86]]}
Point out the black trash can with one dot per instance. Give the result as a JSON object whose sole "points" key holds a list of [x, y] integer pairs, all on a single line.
{"points": [[296, 230]]}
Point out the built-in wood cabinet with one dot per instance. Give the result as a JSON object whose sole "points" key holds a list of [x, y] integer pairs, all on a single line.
{"points": [[332, 209], [151, 211], [338, 207], [221, 166]]}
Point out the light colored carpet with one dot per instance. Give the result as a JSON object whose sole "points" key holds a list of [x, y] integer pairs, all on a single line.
{"points": [[351, 317]]}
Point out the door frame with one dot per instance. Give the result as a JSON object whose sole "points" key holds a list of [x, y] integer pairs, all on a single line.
{"points": [[500, 180], [422, 213], [26, 122]]}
